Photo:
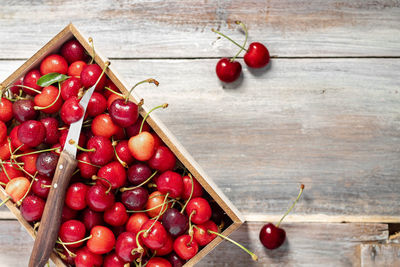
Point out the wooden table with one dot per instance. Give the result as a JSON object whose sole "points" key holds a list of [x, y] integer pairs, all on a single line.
{"points": [[325, 112]]}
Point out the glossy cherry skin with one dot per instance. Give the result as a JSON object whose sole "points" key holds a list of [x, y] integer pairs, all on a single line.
{"points": [[54, 63], [272, 237], [15, 89], [158, 262], [202, 210], [98, 199], [30, 80], [30, 162], [257, 55], [72, 231], [142, 146], [170, 182], [5, 150], [175, 222], [49, 100], [167, 248], [123, 113], [71, 111], [97, 104], [175, 260], [40, 187], [52, 132], [8, 171], [228, 71], [15, 142], [114, 172], [187, 188], [46, 163], [201, 235], [73, 51], [91, 218], [102, 241], [32, 208], [70, 88], [184, 248], [68, 214], [85, 258], [138, 173], [126, 242], [86, 169], [135, 199], [163, 159], [17, 188], [156, 238], [135, 222], [123, 152], [3, 131], [116, 215], [75, 198], [104, 151], [24, 110], [134, 128], [32, 133], [89, 76], [112, 260], [156, 199], [6, 112], [102, 125], [75, 69]]}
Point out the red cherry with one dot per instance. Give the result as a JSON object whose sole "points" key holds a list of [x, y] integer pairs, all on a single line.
{"points": [[85, 258], [141, 146], [167, 248], [123, 113], [157, 141], [184, 248], [15, 89], [76, 68], [68, 214], [30, 80], [102, 241], [170, 182], [70, 88], [135, 222], [122, 150], [5, 150], [134, 128], [52, 132], [71, 110], [112, 260], [30, 162], [32, 208], [114, 172], [3, 131], [201, 208], [46, 163], [98, 199], [163, 159], [158, 262], [111, 98], [76, 195], [175, 222], [104, 151], [64, 135], [187, 188], [102, 125], [31, 133], [6, 112], [41, 186], [47, 100], [89, 76], [15, 142], [91, 218], [72, 231], [24, 110], [116, 215], [97, 104], [201, 235], [272, 237], [126, 242], [228, 71], [138, 173], [257, 55], [156, 237], [86, 168], [54, 63], [73, 51]]}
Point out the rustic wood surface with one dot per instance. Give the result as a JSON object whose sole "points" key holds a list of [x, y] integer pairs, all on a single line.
{"points": [[325, 112]]}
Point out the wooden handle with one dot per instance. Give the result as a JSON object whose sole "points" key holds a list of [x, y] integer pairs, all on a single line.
{"points": [[51, 219]]}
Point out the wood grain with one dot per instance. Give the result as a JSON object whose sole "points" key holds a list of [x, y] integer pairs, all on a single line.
{"points": [[379, 255], [181, 29]]}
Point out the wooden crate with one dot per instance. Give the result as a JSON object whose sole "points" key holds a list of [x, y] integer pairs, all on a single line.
{"points": [[182, 155]]}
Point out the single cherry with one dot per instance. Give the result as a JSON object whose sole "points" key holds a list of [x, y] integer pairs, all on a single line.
{"points": [[185, 247], [54, 63], [73, 51], [99, 199], [154, 205], [103, 150], [136, 221], [187, 188], [97, 105], [89, 76], [112, 260], [123, 153], [49, 100], [200, 210], [102, 125], [102, 241], [116, 215], [138, 173], [86, 167], [170, 182], [163, 159], [70, 88], [72, 231], [75, 69], [75, 197], [201, 234], [6, 112], [41, 186], [154, 235], [30, 81], [158, 262], [135, 199], [85, 258], [71, 111], [114, 173], [31, 133], [175, 222], [24, 110], [126, 243], [228, 71], [52, 132], [257, 55], [174, 259], [46, 163], [32, 208]]}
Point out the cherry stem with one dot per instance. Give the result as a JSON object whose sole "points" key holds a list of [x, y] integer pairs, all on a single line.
{"points": [[94, 178], [139, 248], [72, 142], [3, 184], [27, 87], [158, 216], [5, 201], [165, 105], [88, 163], [93, 52], [114, 144], [291, 207], [73, 255], [253, 256], [19, 202], [151, 80], [45, 185], [106, 64], [123, 189], [153, 208], [191, 194], [114, 92], [58, 96], [191, 226], [223, 35], [34, 152], [73, 243], [245, 39]]}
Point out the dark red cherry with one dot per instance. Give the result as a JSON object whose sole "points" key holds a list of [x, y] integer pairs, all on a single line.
{"points": [[170, 182], [112, 260], [75, 198], [98, 199], [114, 173], [73, 51], [217, 213], [97, 104], [24, 110], [31, 133], [53, 63], [135, 199], [135, 128], [184, 248], [32, 208], [30, 80], [138, 173], [86, 168], [163, 159], [123, 113], [175, 222], [46, 163], [187, 188], [15, 89], [156, 237], [126, 242], [71, 111], [70, 88], [72, 231], [272, 237], [200, 208], [91, 218], [86, 258], [89, 76], [68, 214], [175, 261], [257, 55], [104, 151], [228, 71], [116, 215], [40, 186], [52, 132], [123, 152]]}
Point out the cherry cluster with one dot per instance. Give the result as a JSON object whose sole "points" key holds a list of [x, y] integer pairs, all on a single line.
{"points": [[129, 200]]}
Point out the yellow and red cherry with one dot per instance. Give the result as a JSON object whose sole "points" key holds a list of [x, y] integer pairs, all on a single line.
{"points": [[154, 205], [54, 63], [75, 69], [141, 146]]}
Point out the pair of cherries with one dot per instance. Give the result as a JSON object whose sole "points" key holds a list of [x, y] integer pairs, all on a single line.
{"points": [[256, 56]]}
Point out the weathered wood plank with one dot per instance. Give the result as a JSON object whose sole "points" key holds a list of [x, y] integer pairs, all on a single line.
{"points": [[332, 124], [380, 255], [148, 29], [307, 244]]}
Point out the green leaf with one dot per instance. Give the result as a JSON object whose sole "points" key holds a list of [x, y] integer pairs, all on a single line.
{"points": [[51, 78]]}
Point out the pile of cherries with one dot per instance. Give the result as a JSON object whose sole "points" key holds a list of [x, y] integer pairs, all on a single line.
{"points": [[129, 200]]}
